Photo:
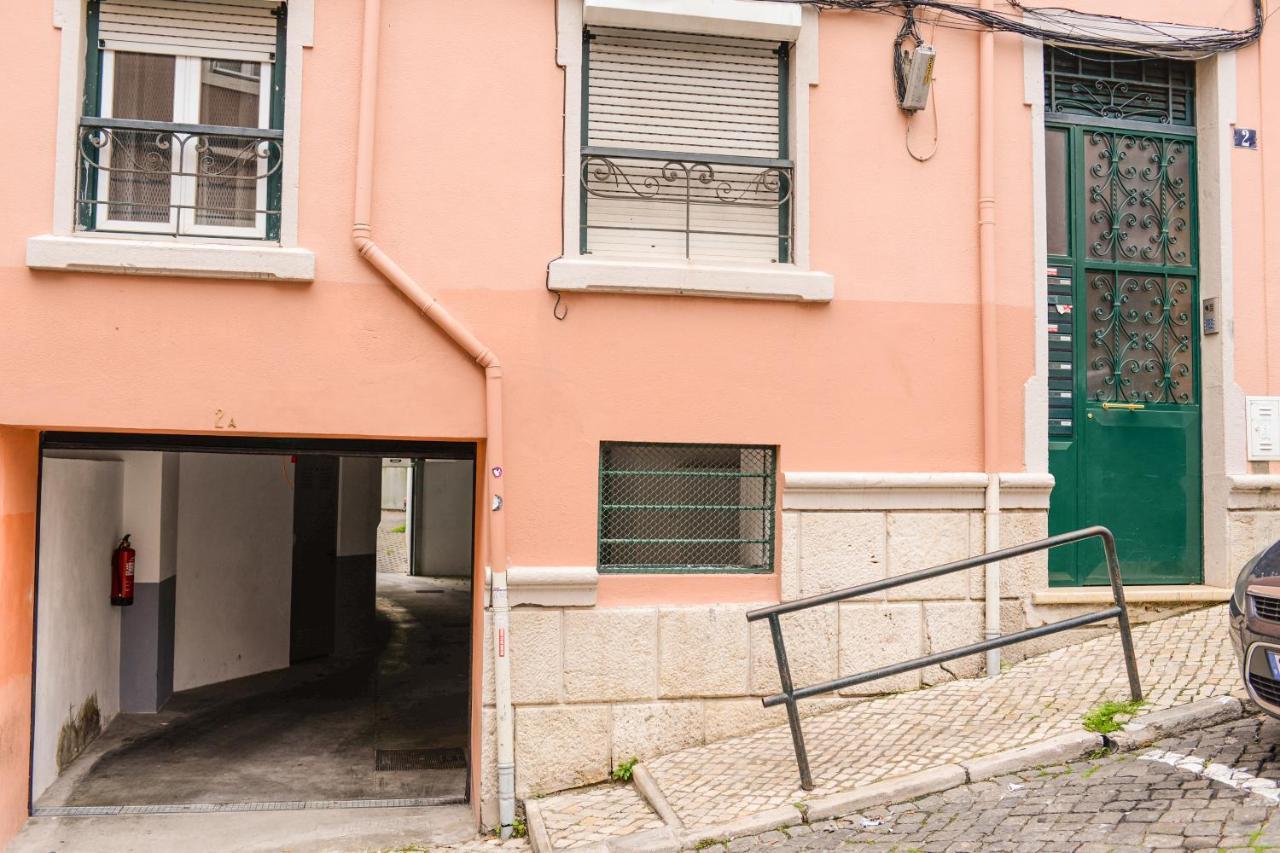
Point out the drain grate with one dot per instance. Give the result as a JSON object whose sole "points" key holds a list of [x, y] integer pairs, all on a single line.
{"points": [[188, 808], [445, 758], [429, 591]]}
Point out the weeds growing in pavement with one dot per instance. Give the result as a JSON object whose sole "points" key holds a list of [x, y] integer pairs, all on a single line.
{"points": [[1102, 718]]}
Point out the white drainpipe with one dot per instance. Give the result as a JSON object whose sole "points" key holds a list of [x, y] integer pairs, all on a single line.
{"points": [[991, 522]]}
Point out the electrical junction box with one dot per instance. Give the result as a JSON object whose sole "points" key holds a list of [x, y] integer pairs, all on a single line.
{"points": [[1262, 422], [919, 77]]}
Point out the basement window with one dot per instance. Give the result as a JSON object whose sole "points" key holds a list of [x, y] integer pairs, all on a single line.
{"points": [[673, 508]]}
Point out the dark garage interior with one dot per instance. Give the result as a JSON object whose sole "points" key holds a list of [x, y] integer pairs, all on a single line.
{"points": [[299, 631]]}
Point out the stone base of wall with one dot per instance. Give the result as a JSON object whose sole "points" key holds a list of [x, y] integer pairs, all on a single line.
{"points": [[594, 687]]}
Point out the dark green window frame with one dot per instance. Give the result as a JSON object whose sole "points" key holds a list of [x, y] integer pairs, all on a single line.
{"points": [[778, 172], [91, 107], [672, 508]]}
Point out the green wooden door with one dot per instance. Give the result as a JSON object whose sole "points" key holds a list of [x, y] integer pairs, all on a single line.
{"points": [[1124, 353]]}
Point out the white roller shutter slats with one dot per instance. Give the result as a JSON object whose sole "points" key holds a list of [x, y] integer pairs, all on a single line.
{"points": [[219, 29], [693, 95]]}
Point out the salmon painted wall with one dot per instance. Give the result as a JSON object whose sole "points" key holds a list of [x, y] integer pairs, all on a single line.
{"points": [[468, 200], [19, 457]]}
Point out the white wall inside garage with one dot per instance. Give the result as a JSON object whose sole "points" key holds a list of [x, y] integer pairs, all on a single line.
{"points": [[235, 550], [77, 629], [443, 514]]}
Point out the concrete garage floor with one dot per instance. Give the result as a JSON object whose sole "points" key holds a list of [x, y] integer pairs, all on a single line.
{"points": [[309, 831], [308, 733]]}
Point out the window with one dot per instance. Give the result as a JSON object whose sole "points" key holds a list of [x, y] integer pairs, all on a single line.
{"points": [[181, 128], [686, 508], [684, 147]]}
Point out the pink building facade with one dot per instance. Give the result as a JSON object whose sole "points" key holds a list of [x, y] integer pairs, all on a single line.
{"points": [[815, 322]]}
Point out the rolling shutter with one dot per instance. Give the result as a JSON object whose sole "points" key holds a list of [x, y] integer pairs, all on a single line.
{"points": [[667, 117], [683, 92], [220, 29]]}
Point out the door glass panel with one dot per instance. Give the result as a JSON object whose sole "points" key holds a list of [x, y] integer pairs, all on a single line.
{"points": [[1137, 196], [228, 168], [141, 162], [1138, 338], [1056, 200]]}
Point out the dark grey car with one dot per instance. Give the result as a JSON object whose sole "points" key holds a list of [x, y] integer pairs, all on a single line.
{"points": [[1255, 627]]}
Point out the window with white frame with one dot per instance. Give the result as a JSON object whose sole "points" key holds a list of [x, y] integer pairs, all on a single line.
{"points": [[181, 128], [685, 147]]}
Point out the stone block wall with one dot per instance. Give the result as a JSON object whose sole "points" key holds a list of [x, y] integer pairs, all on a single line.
{"points": [[1253, 518], [593, 687]]}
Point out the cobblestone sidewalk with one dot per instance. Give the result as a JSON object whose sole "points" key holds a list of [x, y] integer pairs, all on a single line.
{"points": [[1181, 660], [393, 544], [1124, 803]]}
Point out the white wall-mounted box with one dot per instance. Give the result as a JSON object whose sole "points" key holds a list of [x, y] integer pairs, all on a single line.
{"points": [[1263, 425]]}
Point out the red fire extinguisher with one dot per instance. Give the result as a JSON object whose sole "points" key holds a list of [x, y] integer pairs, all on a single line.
{"points": [[122, 573]]}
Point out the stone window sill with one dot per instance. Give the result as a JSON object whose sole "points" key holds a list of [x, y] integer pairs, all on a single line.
{"points": [[549, 586], [93, 253], [776, 281], [1193, 594]]}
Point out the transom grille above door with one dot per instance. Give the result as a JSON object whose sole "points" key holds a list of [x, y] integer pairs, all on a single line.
{"points": [[1119, 86]]}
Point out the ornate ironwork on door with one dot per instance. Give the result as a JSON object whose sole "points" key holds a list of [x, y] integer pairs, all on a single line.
{"points": [[1137, 198], [1139, 338], [1123, 312]]}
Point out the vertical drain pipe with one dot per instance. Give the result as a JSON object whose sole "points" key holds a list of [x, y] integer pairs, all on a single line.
{"points": [[987, 287], [494, 517]]}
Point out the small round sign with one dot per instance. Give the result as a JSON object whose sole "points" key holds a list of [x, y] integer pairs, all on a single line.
{"points": [[497, 472]]}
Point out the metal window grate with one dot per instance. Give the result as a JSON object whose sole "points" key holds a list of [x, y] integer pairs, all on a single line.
{"points": [[1119, 87], [686, 507]]}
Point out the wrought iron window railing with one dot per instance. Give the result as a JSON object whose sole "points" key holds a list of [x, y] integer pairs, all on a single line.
{"points": [[178, 179], [692, 206]]}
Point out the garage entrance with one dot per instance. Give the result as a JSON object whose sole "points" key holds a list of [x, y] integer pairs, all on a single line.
{"points": [[295, 638]]}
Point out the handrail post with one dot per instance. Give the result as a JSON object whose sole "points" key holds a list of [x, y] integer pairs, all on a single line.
{"points": [[789, 696], [793, 713], [1126, 636]]}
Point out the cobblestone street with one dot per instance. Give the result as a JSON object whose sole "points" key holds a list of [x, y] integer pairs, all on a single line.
{"points": [[1181, 660], [1221, 796]]}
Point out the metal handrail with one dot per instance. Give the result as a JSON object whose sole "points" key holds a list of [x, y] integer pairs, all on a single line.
{"points": [[790, 695]]}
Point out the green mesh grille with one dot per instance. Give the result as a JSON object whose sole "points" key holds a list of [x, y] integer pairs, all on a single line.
{"points": [[1119, 86], [686, 507]]}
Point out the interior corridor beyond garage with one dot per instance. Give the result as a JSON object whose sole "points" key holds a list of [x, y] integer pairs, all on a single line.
{"points": [[313, 732]]}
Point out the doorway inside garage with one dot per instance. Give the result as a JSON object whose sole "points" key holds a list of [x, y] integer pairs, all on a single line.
{"points": [[277, 651]]}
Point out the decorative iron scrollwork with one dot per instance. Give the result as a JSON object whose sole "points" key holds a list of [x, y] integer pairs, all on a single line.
{"points": [[680, 197], [1138, 195], [1113, 99], [1139, 336], [680, 180], [134, 175]]}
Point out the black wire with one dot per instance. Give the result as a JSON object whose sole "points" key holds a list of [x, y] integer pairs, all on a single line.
{"points": [[1163, 44], [906, 31]]}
